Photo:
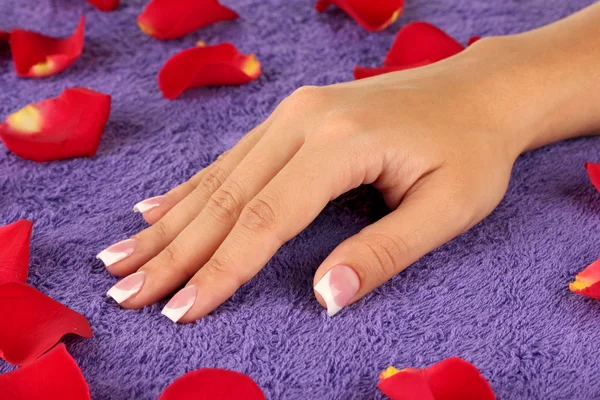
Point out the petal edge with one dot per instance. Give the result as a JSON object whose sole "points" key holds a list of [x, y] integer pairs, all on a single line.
{"points": [[14, 251], [31, 323], [38, 56]]}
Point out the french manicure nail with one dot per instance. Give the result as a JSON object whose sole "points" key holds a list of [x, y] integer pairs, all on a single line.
{"points": [[127, 287], [180, 303], [338, 287], [117, 252], [149, 204]]}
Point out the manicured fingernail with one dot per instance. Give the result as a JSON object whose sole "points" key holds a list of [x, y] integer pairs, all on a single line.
{"points": [[117, 252], [127, 287], [180, 303], [149, 204], [338, 287]]}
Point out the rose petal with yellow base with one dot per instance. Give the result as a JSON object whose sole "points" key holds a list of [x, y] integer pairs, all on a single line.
{"points": [[204, 65], [587, 282], [38, 56], [450, 379], [371, 15], [63, 127]]}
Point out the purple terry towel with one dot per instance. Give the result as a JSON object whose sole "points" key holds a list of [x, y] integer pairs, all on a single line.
{"points": [[496, 296]]}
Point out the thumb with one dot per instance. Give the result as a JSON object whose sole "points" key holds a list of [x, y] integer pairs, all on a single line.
{"points": [[433, 213]]}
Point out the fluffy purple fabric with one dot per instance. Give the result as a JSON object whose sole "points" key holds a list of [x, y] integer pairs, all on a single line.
{"points": [[496, 296]]}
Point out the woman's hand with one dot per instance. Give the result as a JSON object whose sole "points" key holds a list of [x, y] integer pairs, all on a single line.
{"points": [[439, 142]]}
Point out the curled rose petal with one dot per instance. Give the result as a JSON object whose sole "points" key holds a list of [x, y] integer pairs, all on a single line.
{"points": [[37, 56], [587, 282], [450, 379], [213, 384], [105, 5], [14, 251], [417, 44], [593, 171], [4, 36], [222, 64], [170, 19], [371, 15], [62, 127], [31, 323], [53, 376]]}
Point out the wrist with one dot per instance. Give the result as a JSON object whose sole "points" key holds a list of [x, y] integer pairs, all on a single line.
{"points": [[546, 83]]}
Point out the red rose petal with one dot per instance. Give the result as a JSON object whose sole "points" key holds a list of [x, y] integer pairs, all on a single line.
{"points": [[54, 376], [587, 282], [62, 127], [222, 64], [170, 19], [457, 379], [31, 323], [450, 379], [4, 36], [473, 40], [37, 56], [417, 44], [363, 72], [371, 15], [593, 171], [14, 251], [105, 5], [212, 384], [420, 41], [408, 384]]}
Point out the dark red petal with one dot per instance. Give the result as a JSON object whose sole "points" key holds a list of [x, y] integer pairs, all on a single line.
{"points": [[54, 376], [222, 64], [371, 15], [62, 127], [37, 56], [14, 251], [169, 19], [212, 384], [31, 323], [473, 40], [363, 72], [105, 5], [593, 171], [4, 36], [457, 379], [420, 41], [406, 385]]}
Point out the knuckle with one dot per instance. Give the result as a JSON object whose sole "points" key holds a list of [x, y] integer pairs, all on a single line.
{"points": [[161, 229], [226, 203], [387, 253], [171, 254], [258, 216], [306, 96], [221, 268], [213, 179]]}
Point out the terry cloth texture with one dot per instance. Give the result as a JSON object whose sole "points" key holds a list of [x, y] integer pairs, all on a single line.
{"points": [[496, 296]]}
